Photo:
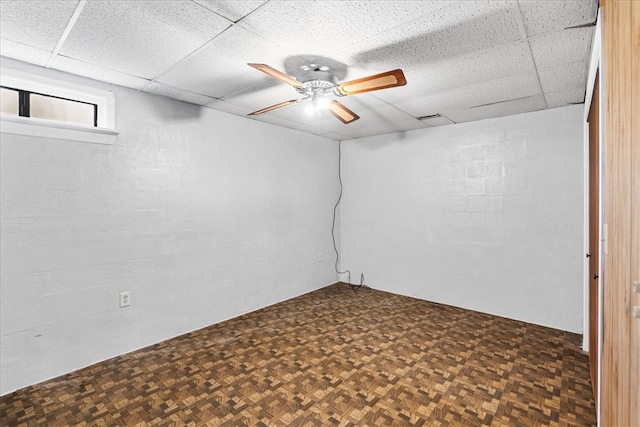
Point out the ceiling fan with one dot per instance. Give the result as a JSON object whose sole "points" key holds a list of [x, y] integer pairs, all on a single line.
{"points": [[318, 83]]}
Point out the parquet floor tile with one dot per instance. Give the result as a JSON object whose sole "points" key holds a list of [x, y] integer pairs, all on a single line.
{"points": [[333, 357]]}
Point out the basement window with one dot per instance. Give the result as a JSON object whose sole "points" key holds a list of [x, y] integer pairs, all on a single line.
{"points": [[10, 101], [38, 106], [23, 103]]}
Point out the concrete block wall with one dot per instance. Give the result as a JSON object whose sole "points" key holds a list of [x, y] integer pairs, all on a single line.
{"points": [[484, 215], [204, 216], [201, 215]]}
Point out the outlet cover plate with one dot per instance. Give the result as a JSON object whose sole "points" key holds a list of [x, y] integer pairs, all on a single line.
{"points": [[125, 299]]}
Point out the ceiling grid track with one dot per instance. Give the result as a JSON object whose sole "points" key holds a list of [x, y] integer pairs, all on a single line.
{"points": [[66, 32], [523, 33], [465, 61], [205, 44], [189, 55]]}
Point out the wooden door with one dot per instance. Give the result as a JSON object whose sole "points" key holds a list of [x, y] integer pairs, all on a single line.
{"points": [[620, 80], [594, 233], [634, 355]]}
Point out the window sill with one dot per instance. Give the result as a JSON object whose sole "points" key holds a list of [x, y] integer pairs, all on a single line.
{"points": [[56, 130]]}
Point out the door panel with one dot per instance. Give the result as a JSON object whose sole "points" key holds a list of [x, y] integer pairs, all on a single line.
{"points": [[620, 82], [634, 357], [594, 235]]}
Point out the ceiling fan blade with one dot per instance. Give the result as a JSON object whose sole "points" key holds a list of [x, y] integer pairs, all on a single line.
{"points": [[274, 107], [386, 80], [272, 72], [343, 114]]}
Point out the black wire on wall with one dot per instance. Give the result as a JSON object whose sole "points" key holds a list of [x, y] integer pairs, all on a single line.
{"points": [[333, 227], [335, 208]]}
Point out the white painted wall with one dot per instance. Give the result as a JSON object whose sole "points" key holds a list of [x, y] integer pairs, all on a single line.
{"points": [[202, 215], [484, 215]]}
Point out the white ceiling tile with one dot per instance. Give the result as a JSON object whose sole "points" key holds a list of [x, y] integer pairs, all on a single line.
{"points": [[455, 54], [221, 105], [383, 128], [263, 95], [35, 23], [507, 108], [180, 94], [324, 27], [559, 47], [298, 113], [346, 138], [80, 68], [368, 118], [370, 131], [312, 128], [142, 38], [22, 52], [565, 97], [542, 16], [274, 120], [233, 10], [411, 124], [330, 124], [363, 101], [514, 87], [378, 115], [430, 78], [333, 125], [326, 122], [565, 76], [461, 29], [334, 136], [220, 68]]}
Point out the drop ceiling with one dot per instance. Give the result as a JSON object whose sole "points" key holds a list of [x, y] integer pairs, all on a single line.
{"points": [[463, 60]]}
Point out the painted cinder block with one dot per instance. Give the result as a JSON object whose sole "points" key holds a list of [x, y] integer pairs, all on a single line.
{"points": [[504, 238], [202, 215]]}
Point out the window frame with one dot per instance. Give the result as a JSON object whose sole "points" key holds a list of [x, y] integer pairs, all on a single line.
{"points": [[102, 133], [24, 103]]}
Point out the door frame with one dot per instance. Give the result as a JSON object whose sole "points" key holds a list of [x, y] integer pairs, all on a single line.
{"points": [[594, 67]]}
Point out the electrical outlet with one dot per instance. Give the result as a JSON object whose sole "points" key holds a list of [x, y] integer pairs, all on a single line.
{"points": [[125, 299], [319, 256]]}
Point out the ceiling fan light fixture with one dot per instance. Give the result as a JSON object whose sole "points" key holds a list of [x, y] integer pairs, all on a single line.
{"points": [[319, 103], [323, 103], [318, 83]]}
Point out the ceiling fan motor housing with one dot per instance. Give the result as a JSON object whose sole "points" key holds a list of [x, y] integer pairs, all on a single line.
{"points": [[312, 87], [307, 73], [316, 80]]}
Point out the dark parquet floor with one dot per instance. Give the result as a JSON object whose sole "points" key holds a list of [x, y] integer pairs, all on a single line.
{"points": [[333, 357]]}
